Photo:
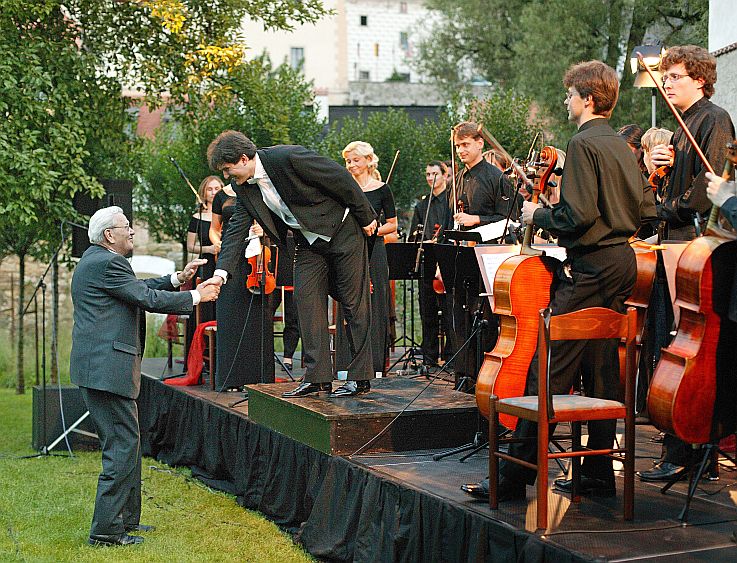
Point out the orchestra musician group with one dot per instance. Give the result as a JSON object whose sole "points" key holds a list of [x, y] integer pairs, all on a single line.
{"points": [[600, 204]]}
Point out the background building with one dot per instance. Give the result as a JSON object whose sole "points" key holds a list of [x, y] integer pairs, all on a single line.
{"points": [[723, 45]]}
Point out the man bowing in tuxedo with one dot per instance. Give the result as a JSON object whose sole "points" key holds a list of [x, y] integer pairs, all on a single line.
{"points": [[106, 362], [290, 187]]}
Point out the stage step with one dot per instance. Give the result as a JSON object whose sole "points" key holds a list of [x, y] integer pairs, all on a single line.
{"points": [[438, 418]]}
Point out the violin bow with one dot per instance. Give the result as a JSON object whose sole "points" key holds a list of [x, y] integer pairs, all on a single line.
{"points": [[391, 170], [456, 226], [183, 175], [496, 145]]}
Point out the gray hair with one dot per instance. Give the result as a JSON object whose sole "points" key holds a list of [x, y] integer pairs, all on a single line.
{"points": [[102, 219]]}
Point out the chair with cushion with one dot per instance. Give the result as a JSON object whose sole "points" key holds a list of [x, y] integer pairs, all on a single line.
{"points": [[544, 409]]}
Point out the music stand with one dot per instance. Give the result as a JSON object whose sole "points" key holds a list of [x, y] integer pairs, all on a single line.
{"points": [[402, 258]]}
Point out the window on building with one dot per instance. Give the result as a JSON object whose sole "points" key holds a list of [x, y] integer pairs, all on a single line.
{"points": [[364, 75], [364, 21], [404, 40], [403, 7], [296, 57]]}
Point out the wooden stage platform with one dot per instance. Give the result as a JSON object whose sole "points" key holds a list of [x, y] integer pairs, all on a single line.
{"points": [[287, 459]]}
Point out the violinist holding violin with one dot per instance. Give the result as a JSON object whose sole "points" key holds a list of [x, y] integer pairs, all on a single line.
{"points": [[602, 203], [290, 187], [689, 75], [439, 219]]}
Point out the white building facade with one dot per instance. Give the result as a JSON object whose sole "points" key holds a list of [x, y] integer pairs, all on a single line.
{"points": [[363, 41]]}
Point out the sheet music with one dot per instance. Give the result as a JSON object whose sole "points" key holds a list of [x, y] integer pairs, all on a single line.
{"points": [[492, 231], [491, 265]]}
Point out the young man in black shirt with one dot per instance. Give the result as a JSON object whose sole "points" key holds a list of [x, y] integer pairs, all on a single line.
{"points": [[602, 200], [689, 74], [426, 225]]}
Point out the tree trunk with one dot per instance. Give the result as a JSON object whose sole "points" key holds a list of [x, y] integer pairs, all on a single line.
{"points": [[20, 385]]}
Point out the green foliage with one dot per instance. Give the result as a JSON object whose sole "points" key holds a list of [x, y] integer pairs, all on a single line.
{"points": [[388, 132], [47, 504], [270, 104], [504, 114], [527, 45]]}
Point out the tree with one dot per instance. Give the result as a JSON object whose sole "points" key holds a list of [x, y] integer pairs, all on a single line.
{"points": [[540, 40], [179, 47], [270, 105], [55, 109]]}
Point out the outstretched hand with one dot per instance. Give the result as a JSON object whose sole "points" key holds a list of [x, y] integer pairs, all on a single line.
{"points": [[209, 290], [190, 269]]}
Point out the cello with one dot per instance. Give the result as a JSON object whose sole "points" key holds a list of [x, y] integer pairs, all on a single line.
{"points": [[683, 391], [521, 288]]}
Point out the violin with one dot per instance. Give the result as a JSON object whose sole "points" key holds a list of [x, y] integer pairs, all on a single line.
{"points": [[655, 181], [437, 283], [260, 270]]}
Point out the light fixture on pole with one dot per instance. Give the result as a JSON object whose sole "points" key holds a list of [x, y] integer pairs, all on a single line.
{"points": [[651, 55]]}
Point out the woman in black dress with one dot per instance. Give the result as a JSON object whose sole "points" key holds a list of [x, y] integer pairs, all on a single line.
{"points": [[362, 162], [199, 243], [238, 349]]}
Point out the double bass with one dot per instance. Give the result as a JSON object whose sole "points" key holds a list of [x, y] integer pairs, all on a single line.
{"points": [[521, 288]]}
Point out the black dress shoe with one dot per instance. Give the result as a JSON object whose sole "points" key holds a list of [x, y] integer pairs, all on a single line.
{"points": [[507, 490], [589, 486], [663, 471], [115, 539], [307, 388], [140, 528], [351, 388]]}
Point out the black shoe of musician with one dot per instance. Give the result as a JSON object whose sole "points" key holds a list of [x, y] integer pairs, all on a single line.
{"points": [[307, 388], [663, 471], [351, 388], [116, 539], [508, 490], [589, 487]]}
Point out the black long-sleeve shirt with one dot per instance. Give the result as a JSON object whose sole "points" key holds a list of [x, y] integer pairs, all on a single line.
{"points": [[439, 214], [712, 129], [603, 196], [485, 192]]}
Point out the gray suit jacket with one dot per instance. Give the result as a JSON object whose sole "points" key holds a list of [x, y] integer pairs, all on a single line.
{"points": [[108, 298]]}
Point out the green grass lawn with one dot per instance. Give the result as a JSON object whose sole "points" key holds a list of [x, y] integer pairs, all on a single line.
{"points": [[46, 506]]}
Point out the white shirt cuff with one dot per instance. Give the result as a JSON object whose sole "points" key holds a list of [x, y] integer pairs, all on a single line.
{"points": [[175, 280], [223, 274], [195, 297]]}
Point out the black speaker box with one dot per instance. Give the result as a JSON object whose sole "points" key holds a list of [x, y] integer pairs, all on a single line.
{"points": [[73, 408], [117, 192]]}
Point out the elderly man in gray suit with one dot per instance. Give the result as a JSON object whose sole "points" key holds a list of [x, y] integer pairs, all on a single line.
{"points": [[106, 362]]}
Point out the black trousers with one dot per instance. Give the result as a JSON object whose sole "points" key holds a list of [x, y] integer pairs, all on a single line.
{"points": [[118, 500], [338, 268], [601, 278]]}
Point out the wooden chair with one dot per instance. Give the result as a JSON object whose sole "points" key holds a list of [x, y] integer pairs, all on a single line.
{"points": [[586, 324]]}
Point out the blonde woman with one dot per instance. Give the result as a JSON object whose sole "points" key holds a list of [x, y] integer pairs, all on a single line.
{"points": [[361, 161]]}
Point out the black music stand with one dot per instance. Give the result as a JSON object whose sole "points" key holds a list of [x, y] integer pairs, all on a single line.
{"points": [[460, 270], [402, 259]]}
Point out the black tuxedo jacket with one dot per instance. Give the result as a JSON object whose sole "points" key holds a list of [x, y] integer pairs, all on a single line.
{"points": [[317, 191]]}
